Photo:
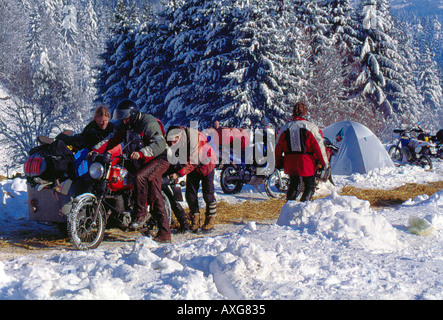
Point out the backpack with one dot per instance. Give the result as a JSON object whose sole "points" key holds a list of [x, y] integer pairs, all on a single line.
{"points": [[51, 161]]}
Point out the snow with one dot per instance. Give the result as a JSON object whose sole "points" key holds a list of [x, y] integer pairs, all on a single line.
{"points": [[336, 247]]}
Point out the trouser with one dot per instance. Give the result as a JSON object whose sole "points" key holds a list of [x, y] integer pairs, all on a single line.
{"points": [[192, 185], [308, 191], [176, 207], [148, 188]]}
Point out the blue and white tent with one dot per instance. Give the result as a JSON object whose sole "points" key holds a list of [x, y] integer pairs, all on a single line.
{"points": [[360, 151]]}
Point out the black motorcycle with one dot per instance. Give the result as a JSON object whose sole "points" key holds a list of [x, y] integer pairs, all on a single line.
{"points": [[244, 168], [233, 176]]}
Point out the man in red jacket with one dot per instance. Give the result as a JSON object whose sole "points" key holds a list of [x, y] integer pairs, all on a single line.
{"points": [[301, 142], [196, 159]]}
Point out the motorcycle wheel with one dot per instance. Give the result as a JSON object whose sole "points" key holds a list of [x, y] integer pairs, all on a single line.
{"points": [[395, 154], [425, 162], [168, 207], [84, 233], [232, 186], [275, 185], [151, 224]]}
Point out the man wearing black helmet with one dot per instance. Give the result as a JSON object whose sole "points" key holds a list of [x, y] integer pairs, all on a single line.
{"points": [[153, 156]]}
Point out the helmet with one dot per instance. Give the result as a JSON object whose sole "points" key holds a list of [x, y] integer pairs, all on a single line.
{"points": [[125, 109]]}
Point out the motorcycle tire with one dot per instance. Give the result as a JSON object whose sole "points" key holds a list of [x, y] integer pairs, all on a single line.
{"points": [[151, 223], [233, 186], [168, 207], [275, 184], [395, 154], [425, 162], [84, 233]]}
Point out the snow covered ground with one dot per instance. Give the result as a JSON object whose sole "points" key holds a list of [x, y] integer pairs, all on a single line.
{"points": [[332, 248]]}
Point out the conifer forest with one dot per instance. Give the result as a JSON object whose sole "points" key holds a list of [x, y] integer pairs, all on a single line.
{"points": [[241, 62]]}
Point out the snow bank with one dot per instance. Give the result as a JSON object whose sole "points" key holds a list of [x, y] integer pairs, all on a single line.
{"points": [[389, 178], [433, 206], [3, 277], [331, 248], [14, 199], [341, 218]]}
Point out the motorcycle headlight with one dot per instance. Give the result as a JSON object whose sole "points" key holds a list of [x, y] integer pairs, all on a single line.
{"points": [[96, 170]]}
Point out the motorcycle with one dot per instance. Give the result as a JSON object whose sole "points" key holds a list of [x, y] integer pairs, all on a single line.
{"points": [[108, 200], [99, 197], [236, 171], [437, 152], [411, 150], [234, 176]]}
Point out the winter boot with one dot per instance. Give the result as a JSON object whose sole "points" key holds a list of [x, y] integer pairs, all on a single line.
{"points": [[162, 238], [307, 195], [139, 223], [209, 224], [195, 222], [211, 212], [182, 219]]}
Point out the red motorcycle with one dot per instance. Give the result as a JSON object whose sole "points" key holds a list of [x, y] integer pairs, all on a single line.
{"points": [[109, 200]]}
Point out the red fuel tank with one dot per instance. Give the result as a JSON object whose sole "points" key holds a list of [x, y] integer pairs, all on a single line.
{"points": [[119, 179]]}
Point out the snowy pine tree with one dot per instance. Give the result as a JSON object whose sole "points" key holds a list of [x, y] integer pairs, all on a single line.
{"points": [[225, 60], [431, 91], [151, 67], [379, 73], [260, 80], [113, 77], [343, 29]]}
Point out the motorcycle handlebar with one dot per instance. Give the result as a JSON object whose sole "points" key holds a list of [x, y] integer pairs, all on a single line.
{"points": [[106, 157], [401, 131], [166, 181]]}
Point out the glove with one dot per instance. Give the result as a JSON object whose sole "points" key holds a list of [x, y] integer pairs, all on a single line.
{"points": [[92, 155]]}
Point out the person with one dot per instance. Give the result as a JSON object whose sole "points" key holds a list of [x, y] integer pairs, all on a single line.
{"points": [[95, 131], [176, 207], [299, 147], [148, 179], [198, 166]]}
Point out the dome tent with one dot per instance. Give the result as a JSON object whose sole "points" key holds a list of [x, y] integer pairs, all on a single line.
{"points": [[360, 151]]}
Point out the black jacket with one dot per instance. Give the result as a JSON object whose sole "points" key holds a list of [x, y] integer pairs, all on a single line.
{"points": [[90, 136]]}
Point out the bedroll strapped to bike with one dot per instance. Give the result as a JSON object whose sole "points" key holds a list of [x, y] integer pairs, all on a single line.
{"points": [[51, 161]]}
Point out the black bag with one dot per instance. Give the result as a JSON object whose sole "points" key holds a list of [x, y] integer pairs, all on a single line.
{"points": [[59, 160]]}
